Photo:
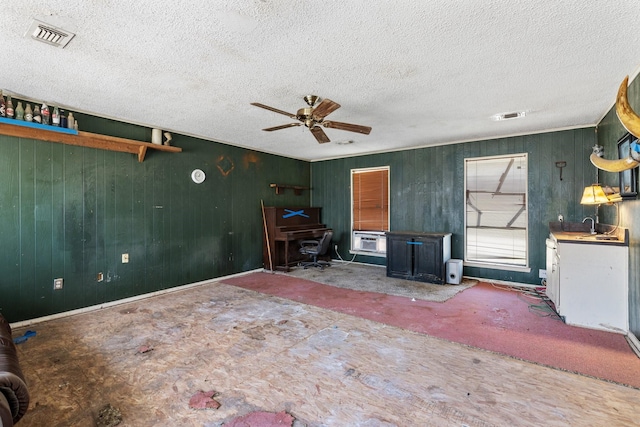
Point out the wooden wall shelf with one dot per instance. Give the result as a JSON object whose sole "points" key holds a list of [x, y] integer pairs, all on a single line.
{"points": [[15, 128], [297, 189]]}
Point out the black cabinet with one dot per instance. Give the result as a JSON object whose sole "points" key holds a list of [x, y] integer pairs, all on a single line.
{"points": [[418, 256]]}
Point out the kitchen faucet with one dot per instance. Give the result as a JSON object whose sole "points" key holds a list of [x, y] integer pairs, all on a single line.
{"points": [[593, 225]]}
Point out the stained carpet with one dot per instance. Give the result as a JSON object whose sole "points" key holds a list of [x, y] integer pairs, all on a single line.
{"points": [[369, 278]]}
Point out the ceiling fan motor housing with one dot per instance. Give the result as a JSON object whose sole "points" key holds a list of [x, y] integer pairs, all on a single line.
{"points": [[304, 115]]}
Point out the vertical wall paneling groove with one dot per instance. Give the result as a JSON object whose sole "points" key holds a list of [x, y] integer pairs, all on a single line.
{"points": [[10, 225], [43, 227], [27, 204]]}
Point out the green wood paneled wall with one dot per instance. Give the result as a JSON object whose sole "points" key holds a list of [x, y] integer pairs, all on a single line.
{"points": [[609, 132], [427, 190], [71, 212]]}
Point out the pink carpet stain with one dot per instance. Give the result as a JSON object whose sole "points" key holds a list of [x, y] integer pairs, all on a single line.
{"points": [[204, 400], [144, 349], [262, 419]]}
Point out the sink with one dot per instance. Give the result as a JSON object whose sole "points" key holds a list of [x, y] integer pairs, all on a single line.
{"points": [[595, 237], [580, 233]]}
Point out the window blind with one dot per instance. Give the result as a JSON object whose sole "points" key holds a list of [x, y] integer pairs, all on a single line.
{"points": [[496, 229], [371, 200]]}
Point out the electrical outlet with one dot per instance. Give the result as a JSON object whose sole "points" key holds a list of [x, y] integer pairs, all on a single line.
{"points": [[560, 217], [57, 283], [100, 277], [125, 258], [542, 274]]}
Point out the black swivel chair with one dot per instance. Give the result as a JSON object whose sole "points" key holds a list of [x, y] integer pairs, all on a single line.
{"points": [[316, 248]]}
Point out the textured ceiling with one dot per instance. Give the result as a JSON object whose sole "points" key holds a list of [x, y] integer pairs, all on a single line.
{"points": [[418, 72]]}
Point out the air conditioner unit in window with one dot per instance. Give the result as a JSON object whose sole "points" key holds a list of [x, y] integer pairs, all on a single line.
{"points": [[370, 241]]}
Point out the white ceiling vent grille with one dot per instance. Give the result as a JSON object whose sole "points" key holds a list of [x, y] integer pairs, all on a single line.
{"points": [[509, 116], [49, 34]]}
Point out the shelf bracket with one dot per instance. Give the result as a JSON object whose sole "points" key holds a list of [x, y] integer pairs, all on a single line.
{"points": [[142, 151]]}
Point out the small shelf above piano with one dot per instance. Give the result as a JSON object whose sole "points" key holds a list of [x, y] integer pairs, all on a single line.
{"points": [[297, 189]]}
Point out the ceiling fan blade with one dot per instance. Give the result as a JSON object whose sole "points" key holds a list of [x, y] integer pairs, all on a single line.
{"points": [[319, 134], [348, 127], [323, 109], [290, 125], [275, 110]]}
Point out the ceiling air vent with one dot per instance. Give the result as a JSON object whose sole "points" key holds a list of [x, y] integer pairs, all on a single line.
{"points": [[49, 34], [509, 116]]}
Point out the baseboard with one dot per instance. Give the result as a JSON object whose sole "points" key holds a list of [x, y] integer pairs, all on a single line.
{"points": [[125, 300], [505, 283], [634, 343]]}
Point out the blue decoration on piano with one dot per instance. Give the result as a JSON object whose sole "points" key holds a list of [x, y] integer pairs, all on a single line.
{"points": [[295, 213]]}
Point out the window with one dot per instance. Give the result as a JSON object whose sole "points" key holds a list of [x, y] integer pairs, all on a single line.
{"points": [[496, 222], [370, 209]]}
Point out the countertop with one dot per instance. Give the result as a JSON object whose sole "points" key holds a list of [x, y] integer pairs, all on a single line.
{"points": [[578, 232]]}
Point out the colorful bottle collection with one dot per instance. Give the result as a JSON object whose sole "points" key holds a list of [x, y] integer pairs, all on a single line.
{"points": [[36, 114]]}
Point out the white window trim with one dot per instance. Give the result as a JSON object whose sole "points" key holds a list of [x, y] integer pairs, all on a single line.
{"points": [[492, 265]]}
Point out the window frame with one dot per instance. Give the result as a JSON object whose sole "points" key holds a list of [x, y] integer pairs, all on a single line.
{"points": [[490, 264], [354, 172]]}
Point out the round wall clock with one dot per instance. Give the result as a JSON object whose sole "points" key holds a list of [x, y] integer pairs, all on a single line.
{"points": [[197, 176]]}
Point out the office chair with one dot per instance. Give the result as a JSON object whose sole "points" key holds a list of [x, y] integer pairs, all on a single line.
{"points": [[316, 248]]}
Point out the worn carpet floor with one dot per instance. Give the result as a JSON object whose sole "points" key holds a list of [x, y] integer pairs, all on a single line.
{"points": [[484, 316], [369, 278]]}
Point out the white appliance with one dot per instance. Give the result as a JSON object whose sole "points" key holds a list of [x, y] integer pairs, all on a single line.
{"points": [[454, 271], [588, 283], [369, 241], [553, 272]]}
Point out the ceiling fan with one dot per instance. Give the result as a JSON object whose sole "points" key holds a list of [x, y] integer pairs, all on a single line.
{"points": [[313, 117]]}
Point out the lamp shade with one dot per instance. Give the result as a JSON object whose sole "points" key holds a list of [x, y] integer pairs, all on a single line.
{"points": [[595, 195]]}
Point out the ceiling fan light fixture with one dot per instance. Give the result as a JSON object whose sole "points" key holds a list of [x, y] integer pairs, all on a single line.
{"points": [[509, 116]]}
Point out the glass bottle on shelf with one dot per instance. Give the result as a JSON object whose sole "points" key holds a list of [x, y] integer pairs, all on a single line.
{"points": [[37, 117], [63, 118], [19, 111], [3, 106], [70, 120], [44, 110], [10, 112], [28, 113], [55, 116]]}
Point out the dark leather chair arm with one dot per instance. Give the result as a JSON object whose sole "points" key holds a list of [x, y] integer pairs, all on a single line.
{"points": [[13, 387]]}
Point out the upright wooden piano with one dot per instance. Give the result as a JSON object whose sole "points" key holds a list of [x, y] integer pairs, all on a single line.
{"points": [[284, 227]]}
